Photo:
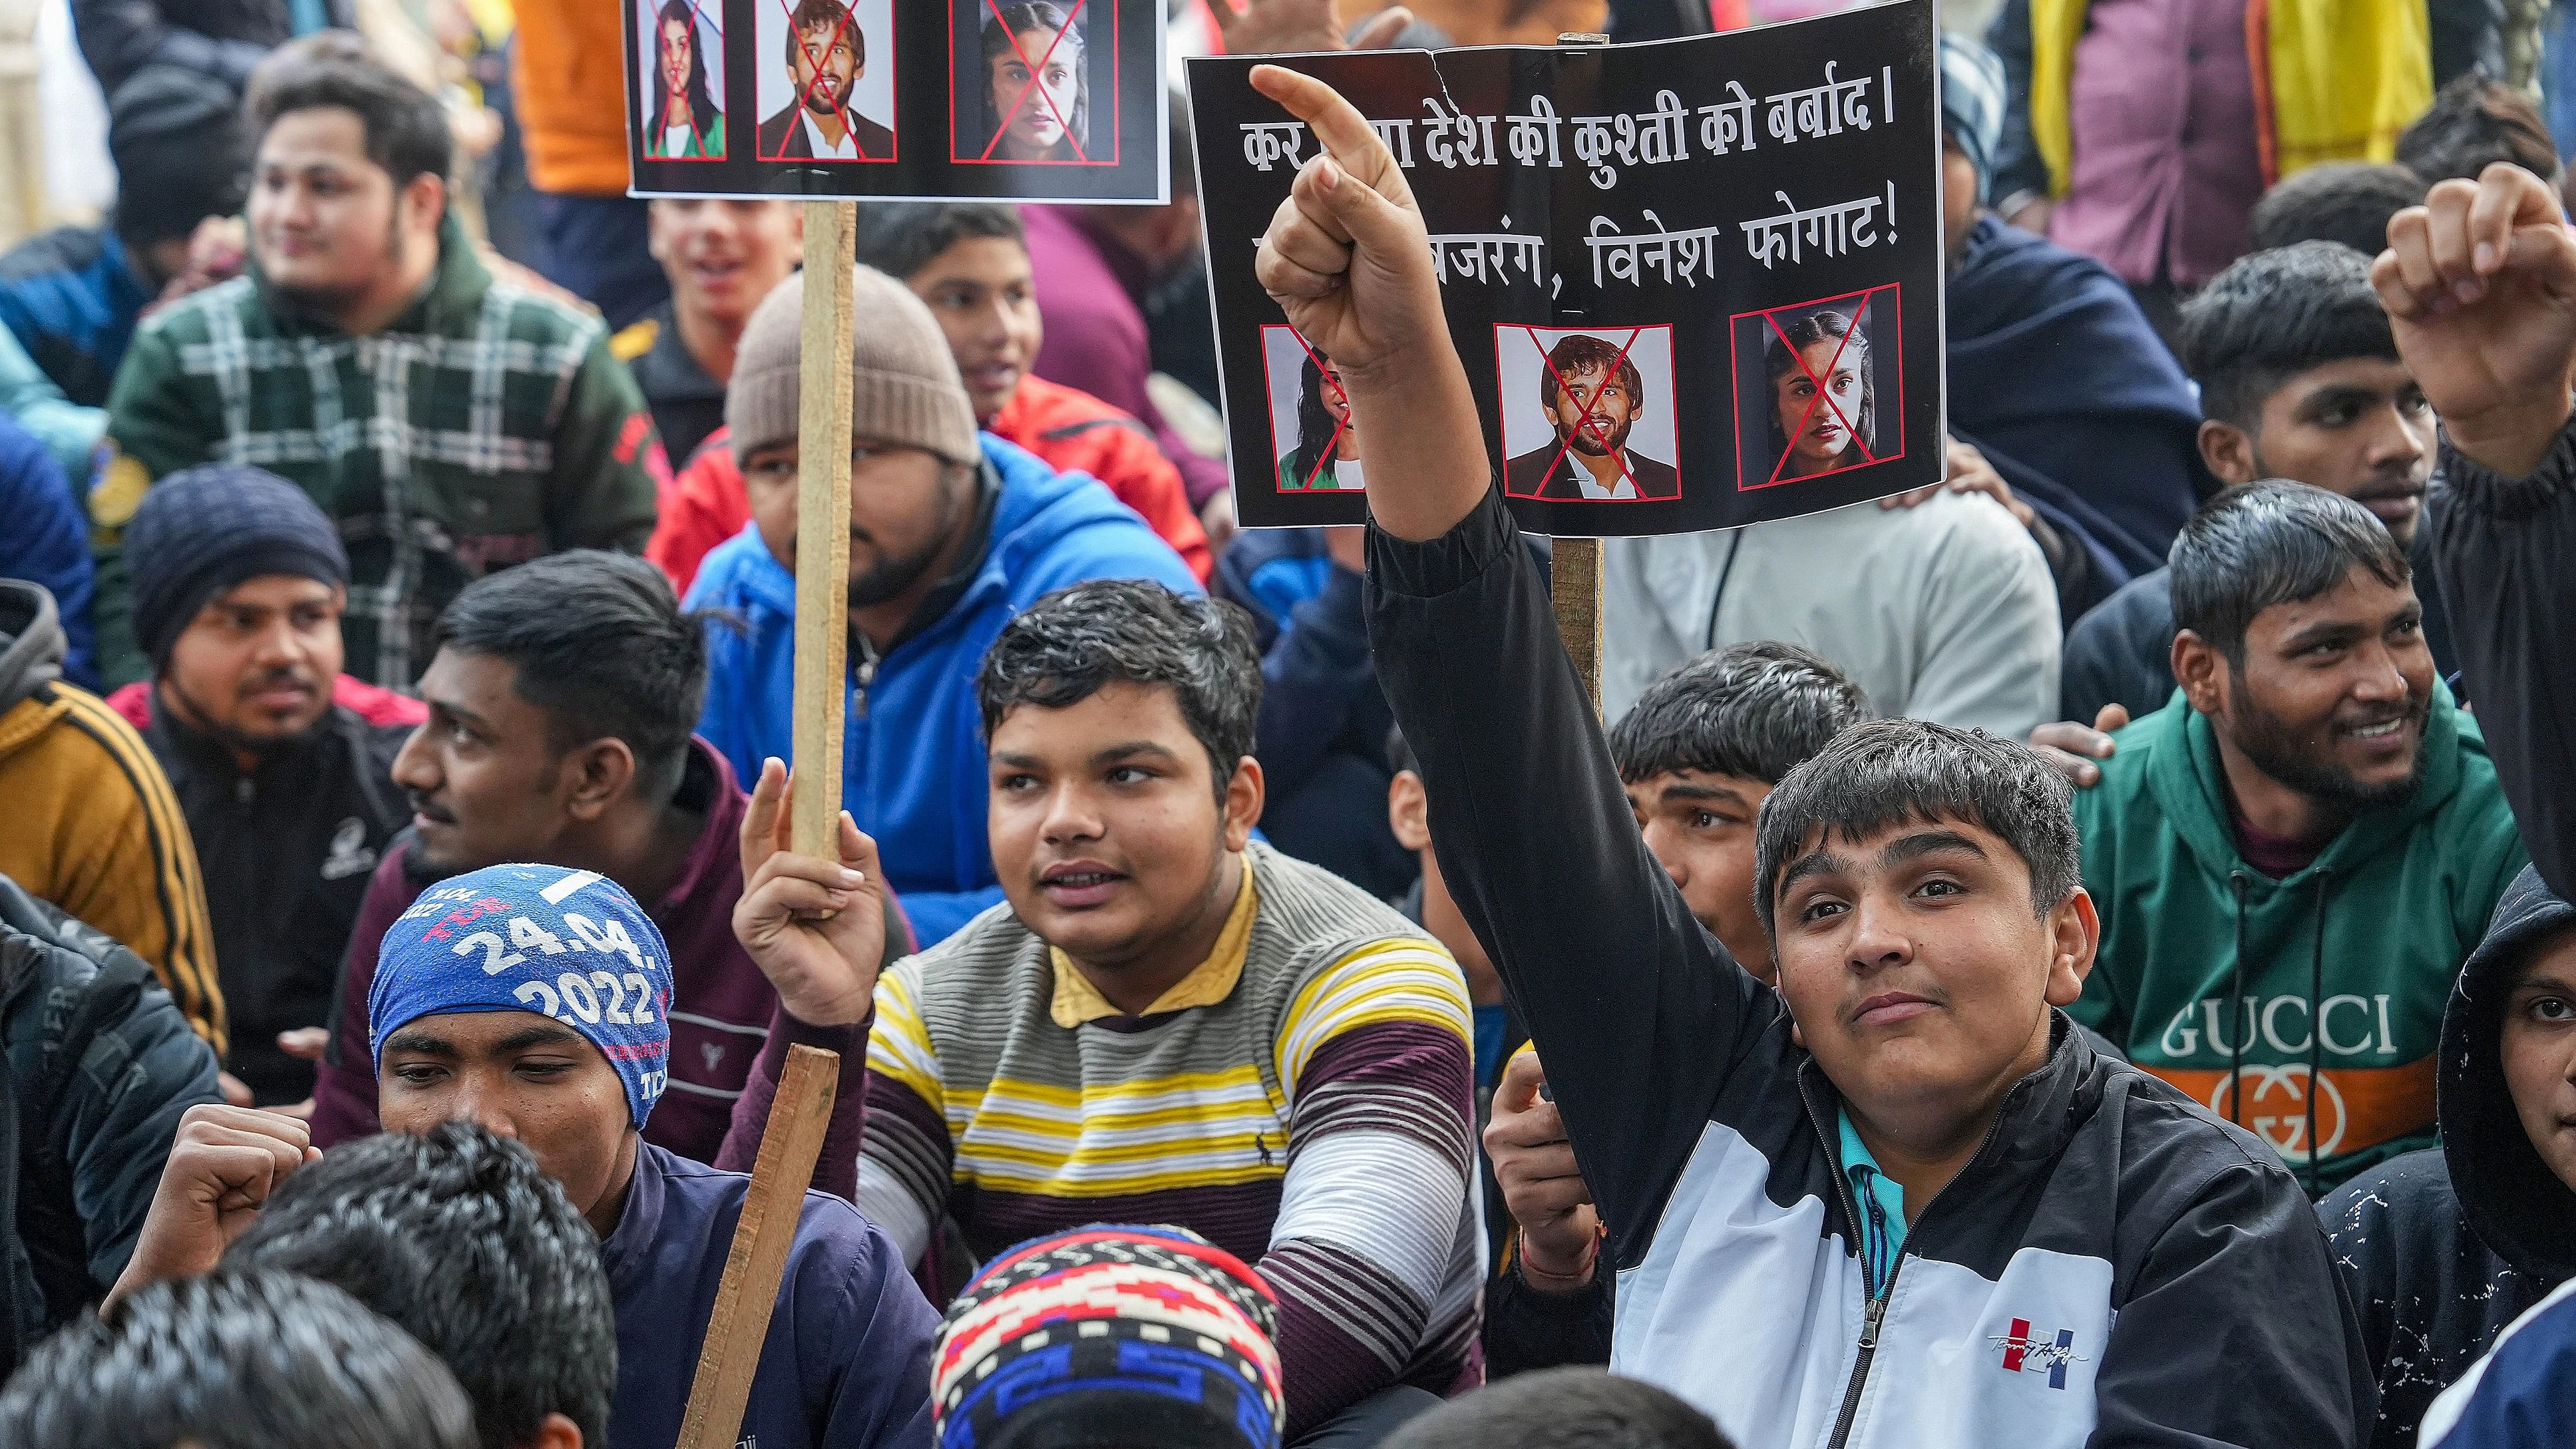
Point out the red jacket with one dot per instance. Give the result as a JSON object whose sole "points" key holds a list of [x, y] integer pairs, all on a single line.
{"points": [[1071, 431]]}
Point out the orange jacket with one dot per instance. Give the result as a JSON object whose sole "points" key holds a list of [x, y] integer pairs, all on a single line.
{"points": [[1072, 431], [570, 87]]}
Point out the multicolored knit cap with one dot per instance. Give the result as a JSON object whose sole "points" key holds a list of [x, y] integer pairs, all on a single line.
{"points": [[1109, 1337], [570, 944]]}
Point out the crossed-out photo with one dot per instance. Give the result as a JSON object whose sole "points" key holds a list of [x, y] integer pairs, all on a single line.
{"points": [[680, 78], [1311, 436], [1588, 415], [1035, 82], [1819, 387], [826, 80]]}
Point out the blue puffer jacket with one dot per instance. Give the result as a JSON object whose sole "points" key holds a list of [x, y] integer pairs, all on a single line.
{"points": [[912, 762]]}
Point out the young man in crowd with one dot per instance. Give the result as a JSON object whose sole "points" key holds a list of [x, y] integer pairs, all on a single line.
{"points": [[282, 764], [90, 1137], [2292, 860], [237, 1358], [93, 827], [2348, 202], [2301, 381], [969, 263], [722, 255], [559, 710], [2473, 123], [2048, 1232], [1173, 1023], [950, 534], [511, 433]]}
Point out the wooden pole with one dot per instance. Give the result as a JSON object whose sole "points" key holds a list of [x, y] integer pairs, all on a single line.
{"points": [[822, 529], [1574, 568], [757, 1261]]}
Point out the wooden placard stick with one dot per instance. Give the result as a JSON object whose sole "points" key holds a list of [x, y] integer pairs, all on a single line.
{"points": [[757, 1261], [822, 527], [1574, 567]]}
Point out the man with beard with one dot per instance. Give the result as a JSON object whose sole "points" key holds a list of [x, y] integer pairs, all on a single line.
{"points": [[1591, 392], [450, 423], [2293, 859], [951, 533], [827, 52], [281, 763]]}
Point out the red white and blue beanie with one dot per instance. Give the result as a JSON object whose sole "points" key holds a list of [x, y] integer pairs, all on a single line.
{"points": [[569, 944], [1110, 1336]]}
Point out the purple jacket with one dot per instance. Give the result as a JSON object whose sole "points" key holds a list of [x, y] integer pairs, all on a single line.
{"points": [[846, 1364]]}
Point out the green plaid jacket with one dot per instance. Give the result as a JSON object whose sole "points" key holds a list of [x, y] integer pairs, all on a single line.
{"points": [[486, 426]]}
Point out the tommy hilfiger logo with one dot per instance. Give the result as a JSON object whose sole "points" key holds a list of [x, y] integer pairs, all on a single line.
{"points": [[2025, 1354]]}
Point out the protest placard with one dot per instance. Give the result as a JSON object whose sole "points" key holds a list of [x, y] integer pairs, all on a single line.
{"points": [[1697, 283], [1028, 100]]}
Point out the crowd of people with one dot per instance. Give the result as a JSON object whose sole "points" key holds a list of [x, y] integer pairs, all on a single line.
{"points": [[2077, 954]]}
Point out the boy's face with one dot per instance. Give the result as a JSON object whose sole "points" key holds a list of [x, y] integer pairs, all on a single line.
{"points": [[1918, 973], [986, 301], [2538, 1049], [1106, 827], [1700, 828], [724, 256], [2358, 426], [522, 1076]]}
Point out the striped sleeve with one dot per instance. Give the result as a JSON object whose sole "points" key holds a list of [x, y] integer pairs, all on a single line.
{"points": [[1371, 1226], [142, 887], [905, 1157]]}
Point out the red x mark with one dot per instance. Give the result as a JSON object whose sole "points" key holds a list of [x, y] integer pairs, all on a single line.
{"points": [[1341, 425], [1035, 71], [814, 63], [1608, 374], [1823, 393]]}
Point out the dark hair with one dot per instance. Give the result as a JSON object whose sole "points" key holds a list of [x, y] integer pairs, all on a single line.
{"points": [[2348, 202], [1583, 352], [235, 1360], [458, 1235], [1755, 710], [2473, 123], [1018, 20], [833, 15], [1112, 631], [599, 643], [900, 238], [2260, 544], [405, 127], [1315, 423], [1563, 1408], [1400, 759], [1780, 358], [702, 105], [1888, 771], [2274, 315]]}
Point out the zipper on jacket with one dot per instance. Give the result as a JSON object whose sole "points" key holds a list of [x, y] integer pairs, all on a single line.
{"points": [[863, 671]]}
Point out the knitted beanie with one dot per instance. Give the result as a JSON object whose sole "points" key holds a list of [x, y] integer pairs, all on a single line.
{"points": [[904, 387], [1107, 1337], [204, 529], [176, 135]]}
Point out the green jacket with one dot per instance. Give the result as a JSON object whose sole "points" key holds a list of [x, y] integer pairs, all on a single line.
{"points": [[2346, 965], [486, 426]]}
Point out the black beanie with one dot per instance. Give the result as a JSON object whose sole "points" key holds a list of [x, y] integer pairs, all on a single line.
{"points": [[202, 530], [176, 137]]}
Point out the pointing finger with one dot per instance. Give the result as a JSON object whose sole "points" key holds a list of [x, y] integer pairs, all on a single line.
{"points": [[1347, 136]]}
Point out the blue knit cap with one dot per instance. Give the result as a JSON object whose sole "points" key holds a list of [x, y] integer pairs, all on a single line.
{"points": [[204, 529], [570, 944]]}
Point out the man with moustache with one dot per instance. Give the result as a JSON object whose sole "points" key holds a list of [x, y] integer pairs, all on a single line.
{"points": [[282, 764], [1591, 392], [827, 52]]}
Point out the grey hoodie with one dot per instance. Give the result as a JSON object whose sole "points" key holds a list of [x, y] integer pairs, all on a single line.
{"points": [[31, 641]]}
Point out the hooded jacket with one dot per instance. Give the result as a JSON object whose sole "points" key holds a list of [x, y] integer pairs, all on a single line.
{"points": [[87, 820], [2093, 1276], [2445, 1246], [912, 757], [2340, 970]]}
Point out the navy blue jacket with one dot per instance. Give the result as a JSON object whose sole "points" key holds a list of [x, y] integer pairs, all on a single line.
{"points": [[1319, 693], [71, 297], [846, 1364], [43, 540]]}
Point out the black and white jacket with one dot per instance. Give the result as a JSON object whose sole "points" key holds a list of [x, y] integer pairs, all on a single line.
{"points": [[2114, 1266]]}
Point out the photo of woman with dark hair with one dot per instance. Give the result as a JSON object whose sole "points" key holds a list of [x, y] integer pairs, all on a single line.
{"points": [[1817, 429], [1319, 463], [684, 124], [1037, 96]]}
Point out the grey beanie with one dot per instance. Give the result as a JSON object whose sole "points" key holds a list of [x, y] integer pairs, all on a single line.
{"points": [[904, 386]]}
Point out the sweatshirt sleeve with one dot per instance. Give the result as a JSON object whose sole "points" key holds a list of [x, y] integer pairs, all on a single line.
{"points": [[1641, 1015], [608, 461], [2500, 550], [153, 429], [836, 1170], [905, 1157]]}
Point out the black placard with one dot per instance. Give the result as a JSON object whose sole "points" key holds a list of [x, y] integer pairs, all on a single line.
{"points": [[1729, 247], [1026, 100]]}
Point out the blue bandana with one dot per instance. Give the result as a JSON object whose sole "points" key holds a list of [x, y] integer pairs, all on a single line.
{"points": [[570, 944]]}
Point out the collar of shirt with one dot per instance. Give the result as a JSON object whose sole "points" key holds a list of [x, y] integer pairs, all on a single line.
{"points": [[627, 1251], [1881, 1200], [824, 150], [1211, 981]]}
